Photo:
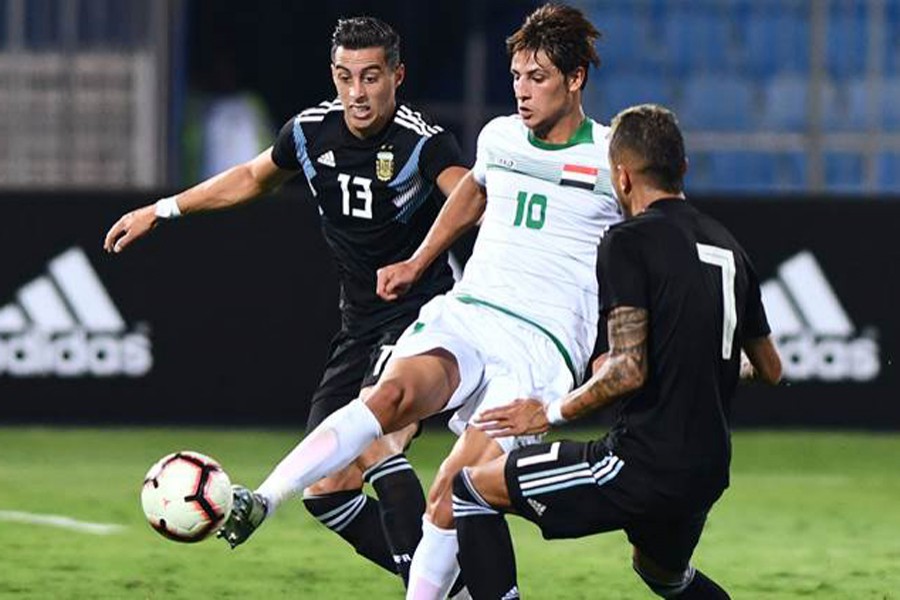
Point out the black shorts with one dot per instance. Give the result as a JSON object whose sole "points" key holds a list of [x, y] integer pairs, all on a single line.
{"points": [[573, 489], [354, 362]]}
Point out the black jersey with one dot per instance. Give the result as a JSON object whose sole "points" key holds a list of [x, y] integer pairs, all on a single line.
{"points": [[703, 300], [375, 198]]}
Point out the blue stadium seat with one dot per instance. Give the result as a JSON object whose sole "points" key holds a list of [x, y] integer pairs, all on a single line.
{"points": [[697, 41], [886, 107], [846, 39], [888, 166], [746, 172], [626, 90], [624, 36], [776, 39], [843, 172], [785, 103], [892, 33], [840, 113], [890, 104], [718, 103]]}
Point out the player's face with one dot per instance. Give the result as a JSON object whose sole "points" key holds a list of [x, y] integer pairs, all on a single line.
{"points": [[543, 94], [367, 87]]}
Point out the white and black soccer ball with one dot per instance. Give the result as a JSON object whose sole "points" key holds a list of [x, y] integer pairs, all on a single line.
{"points": [[186, 496]]}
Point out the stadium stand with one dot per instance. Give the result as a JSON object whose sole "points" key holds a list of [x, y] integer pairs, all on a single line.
{"points": [[744, 67]]}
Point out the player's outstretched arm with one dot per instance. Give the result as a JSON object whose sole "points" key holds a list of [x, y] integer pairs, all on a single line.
{"points": [[763, 362], [463, 209], [230, 188], [621, 372]]}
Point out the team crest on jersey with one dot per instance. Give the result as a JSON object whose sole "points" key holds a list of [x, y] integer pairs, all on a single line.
{"points": [[384, 164]]}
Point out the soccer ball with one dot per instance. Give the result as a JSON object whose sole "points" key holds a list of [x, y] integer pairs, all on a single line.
{"points": [[186, 496]]}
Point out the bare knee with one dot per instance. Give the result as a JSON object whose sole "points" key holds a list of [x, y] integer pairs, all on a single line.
{"points": [[391, 404], [472, 448], [344, 480], [383, 448]]}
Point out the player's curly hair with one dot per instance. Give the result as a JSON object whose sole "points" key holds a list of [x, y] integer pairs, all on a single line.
{"points": [[563, 33], [651, 135], [357, 33]]}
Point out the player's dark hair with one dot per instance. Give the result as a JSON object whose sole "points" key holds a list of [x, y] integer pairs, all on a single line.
{"points": [[650, 133], [563, 33], [357, 33]]}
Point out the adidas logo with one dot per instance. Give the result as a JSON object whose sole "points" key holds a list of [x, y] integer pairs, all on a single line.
{"points": [[64, 323], [326, 159], [816, 338], [512, 594], [537, 506]]}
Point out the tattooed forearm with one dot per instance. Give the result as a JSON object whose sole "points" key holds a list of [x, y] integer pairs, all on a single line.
{"points": [[624, 371]]}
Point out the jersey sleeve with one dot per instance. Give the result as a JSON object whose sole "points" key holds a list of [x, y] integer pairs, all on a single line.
{"points": [[620, 271], [756, 324], [440, 151], [284, 150], [479, 169]]}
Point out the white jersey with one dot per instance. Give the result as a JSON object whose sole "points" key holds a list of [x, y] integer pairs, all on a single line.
{"points": [[548, 206]]}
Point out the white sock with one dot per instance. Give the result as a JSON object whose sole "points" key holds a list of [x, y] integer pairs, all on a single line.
{"points": [[332, 445], [434, 566]]}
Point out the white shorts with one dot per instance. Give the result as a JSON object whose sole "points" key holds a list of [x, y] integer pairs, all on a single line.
{"points": [[500, 358]]}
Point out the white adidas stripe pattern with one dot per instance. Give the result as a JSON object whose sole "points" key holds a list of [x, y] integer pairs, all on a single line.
{"points": [[801, 299], [88, 298], [317, 113], [414, 121], [464, 508], [343, 515], [390, 465], [72, 296], [565, 477], [417, 118]]}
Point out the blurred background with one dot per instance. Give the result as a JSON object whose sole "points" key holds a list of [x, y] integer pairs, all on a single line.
{"points": [[791, 111]]}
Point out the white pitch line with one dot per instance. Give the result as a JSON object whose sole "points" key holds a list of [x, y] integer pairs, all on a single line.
{"points": [[60, 521]]}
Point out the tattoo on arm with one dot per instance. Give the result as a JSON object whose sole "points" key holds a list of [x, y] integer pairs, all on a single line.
{"points": [[624, 371]]}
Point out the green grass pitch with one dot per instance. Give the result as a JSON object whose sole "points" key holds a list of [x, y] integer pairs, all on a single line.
{"points": [[808, 515]]}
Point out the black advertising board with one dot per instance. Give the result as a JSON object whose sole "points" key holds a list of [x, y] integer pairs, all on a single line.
{"points": [[224, 318], [227, 318], [828, 269]]}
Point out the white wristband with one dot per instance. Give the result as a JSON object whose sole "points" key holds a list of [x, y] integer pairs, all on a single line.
{"points": [[554, 413], [167, 208]]}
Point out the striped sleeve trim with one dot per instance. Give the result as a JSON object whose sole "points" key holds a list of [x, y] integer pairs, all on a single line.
{"points": [[414, 121], [317, 113]]}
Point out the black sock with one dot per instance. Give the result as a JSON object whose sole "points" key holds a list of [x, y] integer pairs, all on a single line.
{"points": [[485, 547], [402, 504], [356, 518], [702, 588]]}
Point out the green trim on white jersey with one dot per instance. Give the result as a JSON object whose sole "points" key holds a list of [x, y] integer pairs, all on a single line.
{"points": [[467, 299], [583, 135]]}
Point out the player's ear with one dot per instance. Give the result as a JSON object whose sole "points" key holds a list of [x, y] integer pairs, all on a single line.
{"points": [[624, 178], [399, 75], [575, 79]]}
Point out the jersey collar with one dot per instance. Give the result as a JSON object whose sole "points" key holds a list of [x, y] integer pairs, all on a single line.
{"points": [[583, 135]]}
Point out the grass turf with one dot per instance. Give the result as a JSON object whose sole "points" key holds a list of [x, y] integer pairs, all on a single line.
{"points": [[808, 515]]}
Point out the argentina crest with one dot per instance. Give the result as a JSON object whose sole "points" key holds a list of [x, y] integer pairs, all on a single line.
{"points": [[384, 164]]}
